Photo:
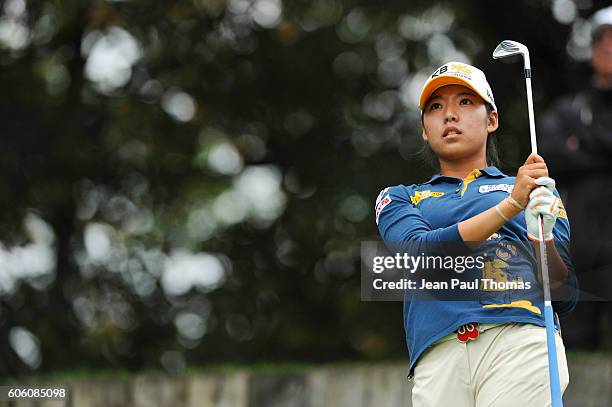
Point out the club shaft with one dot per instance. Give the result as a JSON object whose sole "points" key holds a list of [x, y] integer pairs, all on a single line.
{"points": [[544, 263], [532, 130], [553, 367]]}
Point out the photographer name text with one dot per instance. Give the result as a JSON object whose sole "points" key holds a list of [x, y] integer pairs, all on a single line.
{"points": [[453, 284]]}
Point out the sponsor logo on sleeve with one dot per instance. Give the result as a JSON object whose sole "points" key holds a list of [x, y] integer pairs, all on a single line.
{"points": [[381, 205], [380, 196]]}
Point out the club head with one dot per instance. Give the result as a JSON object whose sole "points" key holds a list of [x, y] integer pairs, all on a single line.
{"points": [[508, 48]]}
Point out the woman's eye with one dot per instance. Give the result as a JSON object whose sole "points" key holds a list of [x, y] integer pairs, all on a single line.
{"points": [[434, 106], [465, 101]]}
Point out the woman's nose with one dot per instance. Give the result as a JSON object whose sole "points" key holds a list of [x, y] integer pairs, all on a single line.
{"points": [[450, 115]]}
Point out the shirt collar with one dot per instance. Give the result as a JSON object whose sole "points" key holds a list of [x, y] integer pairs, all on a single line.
{"points": [[489, 171], [493, 172], [433, 179]]}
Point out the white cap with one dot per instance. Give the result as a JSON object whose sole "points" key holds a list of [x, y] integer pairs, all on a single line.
{"points": [[601, 19], [458, 73]]}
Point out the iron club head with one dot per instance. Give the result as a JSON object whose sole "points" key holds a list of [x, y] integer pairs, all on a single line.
{"points": [[508, 48]]}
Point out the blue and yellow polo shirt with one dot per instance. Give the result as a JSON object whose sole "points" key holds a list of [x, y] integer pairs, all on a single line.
{"points": [[429, 213]]}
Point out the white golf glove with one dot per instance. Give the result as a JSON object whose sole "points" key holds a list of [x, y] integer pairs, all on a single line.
{"points": [[542, 201]]}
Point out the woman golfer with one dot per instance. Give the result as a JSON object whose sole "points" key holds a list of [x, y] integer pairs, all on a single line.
{"points": [[490, 350]]}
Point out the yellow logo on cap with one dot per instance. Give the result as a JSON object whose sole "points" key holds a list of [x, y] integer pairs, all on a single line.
{"points": [[462, 68]]}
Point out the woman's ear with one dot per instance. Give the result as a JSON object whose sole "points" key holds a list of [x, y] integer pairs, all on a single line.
{"points": [[492, 122], [424, 136]]}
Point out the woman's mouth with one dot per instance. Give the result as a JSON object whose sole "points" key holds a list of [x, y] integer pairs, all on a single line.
{"points": [[450, 131]]}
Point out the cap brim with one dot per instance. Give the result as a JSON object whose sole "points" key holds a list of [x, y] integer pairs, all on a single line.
{"points": [[438, 82]]}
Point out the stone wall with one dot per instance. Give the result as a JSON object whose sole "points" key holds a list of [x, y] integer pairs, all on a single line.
{"points": [[376, 385]]}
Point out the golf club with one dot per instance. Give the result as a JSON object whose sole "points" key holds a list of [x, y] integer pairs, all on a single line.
{"points": [[506, 49]]}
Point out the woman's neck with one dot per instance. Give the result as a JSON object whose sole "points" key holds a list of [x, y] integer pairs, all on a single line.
{"points": [[461, 169]]}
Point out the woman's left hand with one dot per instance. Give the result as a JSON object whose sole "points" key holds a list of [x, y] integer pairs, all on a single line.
{"points": [[544, 203]]}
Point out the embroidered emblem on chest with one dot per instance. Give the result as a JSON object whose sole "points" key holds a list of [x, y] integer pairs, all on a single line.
{"points": [[420, 195]]}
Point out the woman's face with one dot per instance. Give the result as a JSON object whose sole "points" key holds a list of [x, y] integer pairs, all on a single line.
{"points": [[456, 123]]}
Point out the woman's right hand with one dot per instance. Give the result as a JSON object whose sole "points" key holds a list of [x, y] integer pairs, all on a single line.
{"points": [[534, 168]]}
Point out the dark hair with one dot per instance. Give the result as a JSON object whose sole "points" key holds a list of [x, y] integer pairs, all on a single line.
{"points": [[427, 155], [598, 33]]}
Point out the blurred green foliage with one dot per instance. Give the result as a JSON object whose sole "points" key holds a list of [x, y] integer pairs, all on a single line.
{"points": [[188, 182]]}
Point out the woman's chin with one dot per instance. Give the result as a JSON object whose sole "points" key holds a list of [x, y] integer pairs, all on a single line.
{"points": [[453, 151]]}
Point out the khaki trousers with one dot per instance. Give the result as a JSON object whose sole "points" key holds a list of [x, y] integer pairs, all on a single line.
{"points": [[506, 366]]}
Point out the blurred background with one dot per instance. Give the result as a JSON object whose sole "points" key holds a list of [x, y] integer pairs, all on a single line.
{"points": [[188, 183]]}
